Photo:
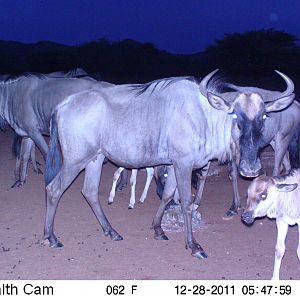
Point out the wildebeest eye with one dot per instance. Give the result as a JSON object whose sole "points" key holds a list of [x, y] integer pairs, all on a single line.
{"points": [[264, 116], [261, 197], [264, 196]]}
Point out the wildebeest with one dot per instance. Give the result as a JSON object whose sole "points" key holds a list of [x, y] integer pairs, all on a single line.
{"points": [[198, 182], [174, 121], [279, 198], [260, 124], [117, 174], [26, 104], [278, 130], [23, 147]]}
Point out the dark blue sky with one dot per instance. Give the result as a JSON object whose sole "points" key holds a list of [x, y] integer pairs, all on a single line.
{"points": [[178, 26]]}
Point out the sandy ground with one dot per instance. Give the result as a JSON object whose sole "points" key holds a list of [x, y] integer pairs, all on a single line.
{"points": [[235, 251]]}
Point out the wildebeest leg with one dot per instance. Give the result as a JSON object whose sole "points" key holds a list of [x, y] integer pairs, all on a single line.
{"points": [[18, 173], [150, 174], [113, 188], [40, 143], [199, 193], [26, 153], [167, 196], [183, 172], [54, 190], [298, 248], [122, 182], [286, 161], [33, 160], [132, 184], [91, 193], [282, 229], [280, 146], [22, 161], [236, 203]]}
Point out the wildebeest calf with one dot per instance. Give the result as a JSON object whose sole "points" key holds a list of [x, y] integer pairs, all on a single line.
{"points": [[279, 198], [117, 174]]}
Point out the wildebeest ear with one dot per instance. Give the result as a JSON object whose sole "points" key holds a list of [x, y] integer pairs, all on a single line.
{"points": [[284, 187], [280, 103], [218, 102]]}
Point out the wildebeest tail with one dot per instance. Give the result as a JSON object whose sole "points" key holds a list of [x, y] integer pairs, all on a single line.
{"points": [[16, 146], [3, 124], [54, 156], [294, 149]]}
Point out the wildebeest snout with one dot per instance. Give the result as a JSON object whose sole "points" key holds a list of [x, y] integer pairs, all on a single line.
{"points": [[247, 217], [248, 169]]}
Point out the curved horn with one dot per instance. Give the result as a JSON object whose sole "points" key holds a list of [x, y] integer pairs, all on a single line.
{"points": [[290, 85], [204, 82]]}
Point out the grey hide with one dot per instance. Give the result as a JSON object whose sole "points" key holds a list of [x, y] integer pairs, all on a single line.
{"points": [[277, 129], [175, 121], [26, 104]]}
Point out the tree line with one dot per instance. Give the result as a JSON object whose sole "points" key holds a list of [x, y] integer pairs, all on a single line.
{"points": [[254, 53]]}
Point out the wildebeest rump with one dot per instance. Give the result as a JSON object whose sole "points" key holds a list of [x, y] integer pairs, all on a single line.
{"points": [[165, 122]]}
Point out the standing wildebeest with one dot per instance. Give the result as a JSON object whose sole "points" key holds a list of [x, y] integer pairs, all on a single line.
{"points": [[26, 104], [117, 174], [24, 147], [279, 198], [167, 121], [278, 130], [266, 125]]}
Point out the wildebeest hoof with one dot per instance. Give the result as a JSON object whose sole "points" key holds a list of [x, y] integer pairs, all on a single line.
{"points": [[115, 236], [18, 183], [171, 205], [161, 237], [199, 254], [57, 245], [230, 214]]}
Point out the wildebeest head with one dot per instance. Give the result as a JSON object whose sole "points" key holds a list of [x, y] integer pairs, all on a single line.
{"points": [[249, 111], [262, 192]]}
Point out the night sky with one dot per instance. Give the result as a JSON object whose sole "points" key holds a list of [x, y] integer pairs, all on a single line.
{"points": [[178, 26]]}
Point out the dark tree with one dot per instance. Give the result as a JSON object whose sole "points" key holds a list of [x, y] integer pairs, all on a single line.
{"points": [[256, 53]]}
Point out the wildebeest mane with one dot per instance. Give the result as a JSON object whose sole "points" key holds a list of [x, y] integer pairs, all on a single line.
{"points": [[7, 79], [158, 84]]}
